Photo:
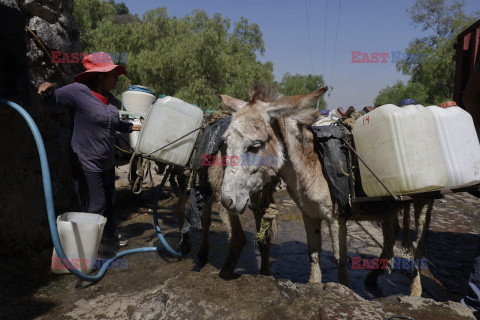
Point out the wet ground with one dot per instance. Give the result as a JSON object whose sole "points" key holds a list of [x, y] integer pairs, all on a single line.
{"points": [[29, 291]]}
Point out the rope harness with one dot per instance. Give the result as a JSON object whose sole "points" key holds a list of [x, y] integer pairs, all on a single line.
{"points": [[143, 169], [268, 225], [42, 45]]}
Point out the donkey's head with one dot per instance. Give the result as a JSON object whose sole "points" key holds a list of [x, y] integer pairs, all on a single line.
{"points": [[254, 144]]}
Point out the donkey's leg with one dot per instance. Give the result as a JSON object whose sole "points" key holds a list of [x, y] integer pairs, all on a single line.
{"points": [[314, 243], [264, 245], [423, 210], [181, 190], [406, 227], [390, 229], [236, 242], [264, 209], [185, 246], [206, 221], [338, 233]]}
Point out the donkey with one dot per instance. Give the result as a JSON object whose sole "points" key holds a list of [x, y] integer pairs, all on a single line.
{"points": [[270, 125], [261, 203]]}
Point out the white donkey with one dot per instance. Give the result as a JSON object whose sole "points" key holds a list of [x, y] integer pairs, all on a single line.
{"points": [[261, 203], [269, 125]]}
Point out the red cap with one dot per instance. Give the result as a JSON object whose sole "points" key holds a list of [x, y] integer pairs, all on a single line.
{"points": [[367, 109], [448, 104], [98, 62]]}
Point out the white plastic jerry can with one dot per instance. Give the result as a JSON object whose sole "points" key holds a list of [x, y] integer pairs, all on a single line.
{"points": [[459, 144], [133, 136], [137, 99], [168, 120], [401, 146]]}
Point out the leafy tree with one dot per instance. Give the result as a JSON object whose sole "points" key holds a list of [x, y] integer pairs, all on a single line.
{"points": [[400, 91], [429, 59], [121, 8], [250, 35], [301, 84], [435, 71], [88, 14], [439, 16], [194, 58]]}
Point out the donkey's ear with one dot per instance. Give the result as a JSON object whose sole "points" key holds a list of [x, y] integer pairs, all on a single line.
{"points": [[287, 106], [231, 104]]}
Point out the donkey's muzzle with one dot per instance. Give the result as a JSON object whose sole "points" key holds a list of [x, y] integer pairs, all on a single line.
{"points": [[227, 202]]}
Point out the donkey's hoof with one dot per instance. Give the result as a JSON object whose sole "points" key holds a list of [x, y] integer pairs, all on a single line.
{"points": [[415, 290], [203, 256], [371, 280], [228, 275], [416, 293], [315, 280], [265, 272]]}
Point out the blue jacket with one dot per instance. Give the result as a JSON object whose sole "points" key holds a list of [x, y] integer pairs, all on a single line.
{"points": [[94, 126]]}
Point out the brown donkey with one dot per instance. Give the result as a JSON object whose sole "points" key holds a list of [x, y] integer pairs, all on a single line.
{"points": [[269, 125]]}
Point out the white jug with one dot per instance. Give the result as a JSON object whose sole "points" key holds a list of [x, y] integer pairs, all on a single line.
{"points": [[459, 143], [80, 235], [402, 147], [168, 120]]}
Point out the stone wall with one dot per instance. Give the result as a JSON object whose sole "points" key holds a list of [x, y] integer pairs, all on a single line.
{"points": [[23, 66]]}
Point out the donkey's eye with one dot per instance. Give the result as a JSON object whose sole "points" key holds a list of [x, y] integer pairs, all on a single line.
{"points": [[255, 147]]}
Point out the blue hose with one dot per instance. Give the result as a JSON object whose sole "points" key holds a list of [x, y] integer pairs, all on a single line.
{"points": [[47, 186]]}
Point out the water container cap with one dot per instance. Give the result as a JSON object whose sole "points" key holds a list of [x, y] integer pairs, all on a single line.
{"points": [[448, 104], [140, 88], [161, 96], [324, 112], [340, 112], [406, 102]]}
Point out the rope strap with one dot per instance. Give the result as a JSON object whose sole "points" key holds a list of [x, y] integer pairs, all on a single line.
{"points": [[40, 43], [349, 122], [140, 173], [268, 226]]}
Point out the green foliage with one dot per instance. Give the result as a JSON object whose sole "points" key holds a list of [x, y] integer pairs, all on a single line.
{"points": [[89, 13], [194, 58], [439, 16], [121, 8], [436, 71], [400, 91], [301, 84]]}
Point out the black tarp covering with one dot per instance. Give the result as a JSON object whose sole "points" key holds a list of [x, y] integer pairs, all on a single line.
{"points": [[209, 143], [334, 157]]}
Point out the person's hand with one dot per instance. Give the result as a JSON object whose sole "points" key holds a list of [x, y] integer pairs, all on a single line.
{"points": [[136, 127], [46, 88]]}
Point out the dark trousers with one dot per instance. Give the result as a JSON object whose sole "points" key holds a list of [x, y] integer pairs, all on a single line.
{"points": [[96, 192], [472, 300]]}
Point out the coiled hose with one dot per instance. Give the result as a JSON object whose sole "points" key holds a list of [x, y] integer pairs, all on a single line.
{"points": [[47, 186]]}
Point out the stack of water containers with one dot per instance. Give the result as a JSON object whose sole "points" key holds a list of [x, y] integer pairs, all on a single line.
{"points": [[327, 117], [168, 120], [414, 149], [136, 101]]}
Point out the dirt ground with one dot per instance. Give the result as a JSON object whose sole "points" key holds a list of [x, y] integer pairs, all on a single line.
{"points": [[29, 291]]}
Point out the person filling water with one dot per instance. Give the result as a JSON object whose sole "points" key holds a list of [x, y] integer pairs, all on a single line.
{"points": [[95, 122]]}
